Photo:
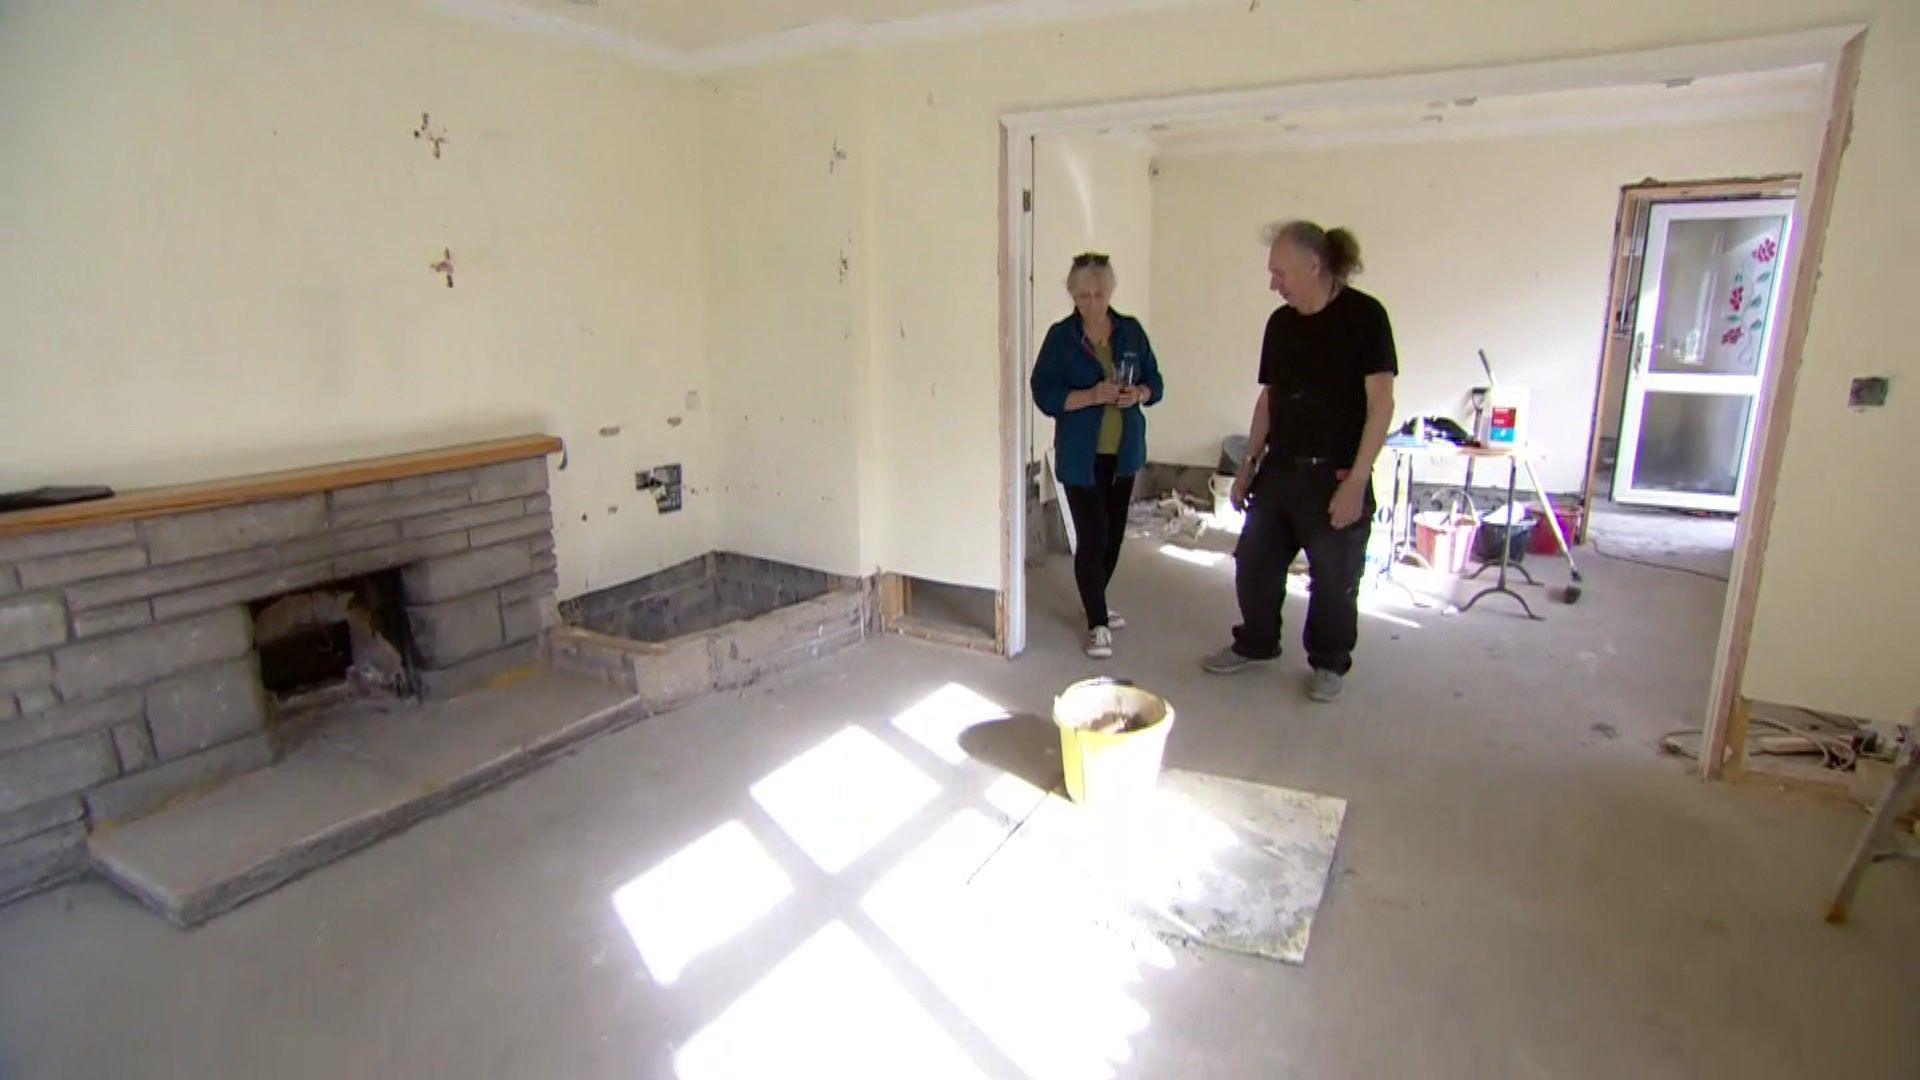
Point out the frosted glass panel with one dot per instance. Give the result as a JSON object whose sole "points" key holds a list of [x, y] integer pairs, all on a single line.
{"points": [[1717, 284], [1692, 442]]}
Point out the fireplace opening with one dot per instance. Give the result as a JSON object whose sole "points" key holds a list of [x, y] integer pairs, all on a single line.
{"points": [[306, 659], [343, 641]]}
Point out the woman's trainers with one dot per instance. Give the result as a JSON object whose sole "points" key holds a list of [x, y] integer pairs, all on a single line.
{"points": [[1115, 620], [1100, 643], [1326, 686]]}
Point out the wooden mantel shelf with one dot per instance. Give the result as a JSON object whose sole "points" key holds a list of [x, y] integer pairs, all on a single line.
{"points": [[209, 494]]}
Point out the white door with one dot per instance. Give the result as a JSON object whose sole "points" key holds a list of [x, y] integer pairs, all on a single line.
{"points": [[1705, 317]]}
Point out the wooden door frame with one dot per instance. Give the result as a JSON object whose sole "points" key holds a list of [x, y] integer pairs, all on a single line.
{"points": [[1629, 245], [1723, 744]]}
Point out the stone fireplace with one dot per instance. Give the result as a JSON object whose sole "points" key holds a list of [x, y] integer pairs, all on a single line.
{"points": [[147, 640], [343, 640]]}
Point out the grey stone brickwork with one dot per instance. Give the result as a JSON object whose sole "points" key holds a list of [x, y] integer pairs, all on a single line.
{"points": [[718, 622], [48, 858], [696, 595], [127, 671], [205, 707], [455, 630], [39, 818], [29, 623]]}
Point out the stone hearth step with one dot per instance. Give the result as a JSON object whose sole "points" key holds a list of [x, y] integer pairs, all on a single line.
{"points": [[361, 775]]}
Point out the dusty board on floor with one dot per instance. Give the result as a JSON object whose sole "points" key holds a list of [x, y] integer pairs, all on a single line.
{"points": [[1206, 860]]}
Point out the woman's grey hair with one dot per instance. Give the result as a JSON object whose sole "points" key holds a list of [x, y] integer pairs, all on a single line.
{"points": [[1337, 249], [1093, 261]]}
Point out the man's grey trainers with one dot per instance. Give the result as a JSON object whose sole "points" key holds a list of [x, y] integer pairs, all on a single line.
{"points": [[1100, 643], [1326, 685], [1228, 662]]}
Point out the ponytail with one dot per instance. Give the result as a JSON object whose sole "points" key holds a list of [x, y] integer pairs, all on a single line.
{"points": [[1337, 249]]}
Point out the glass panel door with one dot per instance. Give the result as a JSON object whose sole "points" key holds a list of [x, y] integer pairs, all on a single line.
{"points": [[1705, 320]]}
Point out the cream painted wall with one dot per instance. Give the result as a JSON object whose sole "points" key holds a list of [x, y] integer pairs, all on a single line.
{"points": [[1496, 244], [290, 266], [1833, 633], [787, 320], [1090, 193], [215, 231]]}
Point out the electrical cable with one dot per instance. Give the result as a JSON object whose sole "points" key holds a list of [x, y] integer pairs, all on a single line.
{"points": [[1605, 554], [1835, 753]]}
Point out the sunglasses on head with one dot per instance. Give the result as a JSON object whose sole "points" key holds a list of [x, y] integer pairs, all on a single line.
{"points": [[1091, 258]]}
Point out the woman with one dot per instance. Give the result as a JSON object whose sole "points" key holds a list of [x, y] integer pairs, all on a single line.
{"points": [[1095, 372]]}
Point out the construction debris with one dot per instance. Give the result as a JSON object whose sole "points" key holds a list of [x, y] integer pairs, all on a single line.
{"points": [[1172, 517]]}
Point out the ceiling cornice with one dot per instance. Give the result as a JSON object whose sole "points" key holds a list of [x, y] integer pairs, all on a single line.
{"points": [[806, 40]]}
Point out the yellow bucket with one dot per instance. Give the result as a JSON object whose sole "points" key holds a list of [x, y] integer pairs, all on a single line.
{"points": [[1112, 736]]}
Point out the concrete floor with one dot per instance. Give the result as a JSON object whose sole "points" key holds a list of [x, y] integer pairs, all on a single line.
{"points": [[1524, 887], [1696, 543]]}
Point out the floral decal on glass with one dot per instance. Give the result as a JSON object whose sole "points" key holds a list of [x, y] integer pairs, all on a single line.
{"points": [[1746, 312]]}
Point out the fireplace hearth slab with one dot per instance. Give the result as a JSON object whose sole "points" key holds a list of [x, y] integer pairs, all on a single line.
{"points": [[362, 775]]}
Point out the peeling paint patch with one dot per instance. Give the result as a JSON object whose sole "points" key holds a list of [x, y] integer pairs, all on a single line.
{"points": [[693, 401], [610, 431], [434, 134], [444, 266], [846, 268], [673, 421], [839, 155]]}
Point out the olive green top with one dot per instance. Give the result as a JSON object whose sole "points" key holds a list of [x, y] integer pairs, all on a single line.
{"points": [[1112, 425]]}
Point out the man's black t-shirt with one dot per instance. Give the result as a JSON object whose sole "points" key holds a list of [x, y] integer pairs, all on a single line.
{"points": [[1315, 369]]}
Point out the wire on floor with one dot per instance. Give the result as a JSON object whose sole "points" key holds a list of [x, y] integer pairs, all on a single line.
{"points": [[1605, 554], [1836, 752]]}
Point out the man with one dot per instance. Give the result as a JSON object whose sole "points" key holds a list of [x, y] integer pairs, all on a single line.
{"points": [[1327, 366]]}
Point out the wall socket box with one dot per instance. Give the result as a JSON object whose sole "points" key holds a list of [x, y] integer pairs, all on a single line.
{"points": [[1868, 393], [664, 482]]}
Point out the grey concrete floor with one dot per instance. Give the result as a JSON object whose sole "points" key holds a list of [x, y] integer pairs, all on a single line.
{"points": [[1700, 543], [1524, 887]]}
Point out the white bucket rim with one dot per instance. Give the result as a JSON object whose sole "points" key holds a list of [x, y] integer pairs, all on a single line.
{"points": [[1118, 687]]}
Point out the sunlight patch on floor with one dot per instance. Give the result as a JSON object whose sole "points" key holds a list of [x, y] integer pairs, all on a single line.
{"points": [[1194, 556], [1047, 987], [842, 797], [1373, 605], [829, 1009], [699, 898], [938, 720], [1013, 796]]}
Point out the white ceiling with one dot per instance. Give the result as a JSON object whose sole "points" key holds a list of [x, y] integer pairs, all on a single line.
{"points": [[705, 24], [1722, 97], [710, 26]]}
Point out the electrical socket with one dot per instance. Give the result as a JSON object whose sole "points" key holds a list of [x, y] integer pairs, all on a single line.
{"points": [[1867, 393], [665, 483]]}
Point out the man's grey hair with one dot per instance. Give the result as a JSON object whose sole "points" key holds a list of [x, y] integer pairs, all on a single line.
{"points": [[1336, 249]]}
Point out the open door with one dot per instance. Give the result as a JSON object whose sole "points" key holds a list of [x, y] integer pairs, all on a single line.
{"points": [[1705, 317]]}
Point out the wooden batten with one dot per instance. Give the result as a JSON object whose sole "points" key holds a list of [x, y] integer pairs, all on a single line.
{"points": [[1777, 410], [210, 494]]}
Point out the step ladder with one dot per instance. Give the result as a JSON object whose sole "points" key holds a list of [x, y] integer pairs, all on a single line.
{"points": [[1878, 841]]}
